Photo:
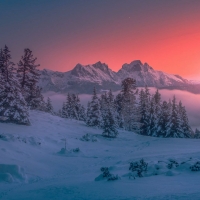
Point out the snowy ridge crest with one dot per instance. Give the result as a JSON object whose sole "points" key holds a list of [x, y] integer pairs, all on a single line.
{"points": [[83, 78]]}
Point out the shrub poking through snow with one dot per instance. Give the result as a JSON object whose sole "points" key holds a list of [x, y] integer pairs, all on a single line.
{"points": [[88, 138], [139, 167], [106, 172], [108, 175], [76, 150], [195, 167], [113, 177], [172, 164]]}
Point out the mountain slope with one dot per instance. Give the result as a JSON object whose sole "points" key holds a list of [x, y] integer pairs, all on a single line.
{"points": [[83, 78]]}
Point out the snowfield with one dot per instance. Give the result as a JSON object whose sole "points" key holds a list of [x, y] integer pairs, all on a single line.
{"points": [[34, 164]]}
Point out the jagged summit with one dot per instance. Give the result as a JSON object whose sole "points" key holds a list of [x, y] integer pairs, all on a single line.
{"points": [[136, 65], [102, 66]]}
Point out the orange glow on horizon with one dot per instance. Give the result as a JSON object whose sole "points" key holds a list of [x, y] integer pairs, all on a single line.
{"points": [[171, 45]]}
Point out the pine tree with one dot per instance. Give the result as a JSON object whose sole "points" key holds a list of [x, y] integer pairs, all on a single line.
{"points": [[155, 112], [109, 126], [93, 112], [77, 108], [28, 75], [104, 104], [186, 129], [49, 106], [73, 109], [144, 109], [164, 120], [197, 133], [157, 100], [152, 126], [35, 99], [129, 110], [13, 107], [175, 122], [118, 109], [82, 113], [64, 111]]}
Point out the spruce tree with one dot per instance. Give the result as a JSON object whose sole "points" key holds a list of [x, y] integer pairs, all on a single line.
{"points": [[28, 75], [164, 120], [152, 126], [82, 113], [118, 109], [13, 107], [93, 111], [49, 106], [129, 110], [186, 129], [175, 122], [144, 109], [78, 111], [109, 126], [64, 111]]}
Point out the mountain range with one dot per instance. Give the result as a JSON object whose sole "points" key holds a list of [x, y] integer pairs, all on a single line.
{"points": [[83, 78]]}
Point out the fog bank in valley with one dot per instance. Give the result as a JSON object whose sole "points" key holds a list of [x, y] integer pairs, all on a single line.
{"points": [[190, 101]]}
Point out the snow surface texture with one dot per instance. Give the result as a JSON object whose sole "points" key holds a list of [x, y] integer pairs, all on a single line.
{"points": [[35, 164], [83, 78]]}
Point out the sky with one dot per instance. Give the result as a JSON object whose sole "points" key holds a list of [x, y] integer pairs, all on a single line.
{"points": [[163, 33]]}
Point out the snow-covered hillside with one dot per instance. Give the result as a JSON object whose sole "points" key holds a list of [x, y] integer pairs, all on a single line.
{"points": [[83, 79], [34, 167]]}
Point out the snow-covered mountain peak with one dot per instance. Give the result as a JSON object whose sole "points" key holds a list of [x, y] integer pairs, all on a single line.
{"points": [[83, 78], [136, 66], [102, 66]]}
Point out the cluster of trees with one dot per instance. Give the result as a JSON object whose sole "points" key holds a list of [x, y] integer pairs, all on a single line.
{"points": [[138, 111], [18, 87], [162, 119], [72, 108], [131, 109], [112, 113]]}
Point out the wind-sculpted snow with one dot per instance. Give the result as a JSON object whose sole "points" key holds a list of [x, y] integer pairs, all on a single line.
{"points": [[83, 78], [49, 172]]}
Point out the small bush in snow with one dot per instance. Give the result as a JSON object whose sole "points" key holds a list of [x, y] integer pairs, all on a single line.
{"points": [[108, 175], [172, 164], [76, 150], [88, 138], [113, 177], [139, 167], [195, 167], [106, 172]]}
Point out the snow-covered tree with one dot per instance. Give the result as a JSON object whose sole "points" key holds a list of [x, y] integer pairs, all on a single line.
{"points": [[93, 111], [144, 109], [28, 75], [64, 111], [109, 125], [73, 109], [49, 106], [152, 126], [186, 129], [175, 122], [13, 107], [164, 120], [35, 99], [118, 109], [129, 110]]}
